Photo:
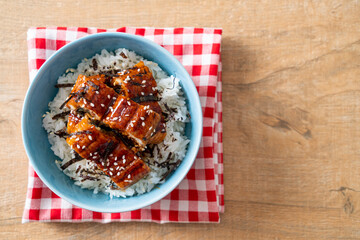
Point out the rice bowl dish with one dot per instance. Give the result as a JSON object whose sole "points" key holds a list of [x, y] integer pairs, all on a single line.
{"points": [[162, 158]]}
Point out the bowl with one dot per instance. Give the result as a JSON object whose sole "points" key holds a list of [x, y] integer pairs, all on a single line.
{"points": [[42, 91]]}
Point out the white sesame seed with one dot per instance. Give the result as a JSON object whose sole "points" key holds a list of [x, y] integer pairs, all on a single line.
{"points": [[129, 176], [138, 69], [102, 163], [131, 124], [108, 96], [126, 115], [150, 94], [150, 128], [90, 154], [142, 118], [123, 156], [111, 169], [94, 157], [115, 163], [118, 174], [90, 137], [85, 101], [91, 104], [108, 164], [143, 124], [115, 160], [111, 173], [78, 146], [142, 93], [144, 81], [129, 103], [95, 153], [102, 105], [115, 118], [83, 147], [97, 92], [124, 161], [135, 157], [114, 98]]}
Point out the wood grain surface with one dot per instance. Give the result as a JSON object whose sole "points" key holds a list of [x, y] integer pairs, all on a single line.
{"points": [[291, 75]]}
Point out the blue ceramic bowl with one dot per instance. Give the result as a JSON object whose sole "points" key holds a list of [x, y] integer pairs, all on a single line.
{"points": [[42, 91]]}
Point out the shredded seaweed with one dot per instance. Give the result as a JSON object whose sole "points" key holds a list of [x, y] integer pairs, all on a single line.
{"points": [[148, 98], [64, 85], [77, 158], [60, 115]]}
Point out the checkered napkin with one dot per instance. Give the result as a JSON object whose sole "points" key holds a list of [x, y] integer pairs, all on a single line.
{"points": [[200, 196]]}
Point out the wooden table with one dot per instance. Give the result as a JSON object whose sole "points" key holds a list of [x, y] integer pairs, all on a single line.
{"points": [[291, 115]]}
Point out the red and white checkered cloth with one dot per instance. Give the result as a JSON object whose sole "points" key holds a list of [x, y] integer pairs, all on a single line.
{"points": [[200, 196]]}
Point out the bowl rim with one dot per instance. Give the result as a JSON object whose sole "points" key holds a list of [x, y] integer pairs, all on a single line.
{"points": [[191, 92]]}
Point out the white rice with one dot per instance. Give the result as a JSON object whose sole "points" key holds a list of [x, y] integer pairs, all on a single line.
{"points": [[173, 147]]}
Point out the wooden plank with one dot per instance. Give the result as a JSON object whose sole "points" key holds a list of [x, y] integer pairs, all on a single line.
{"points": [[291, 115]]}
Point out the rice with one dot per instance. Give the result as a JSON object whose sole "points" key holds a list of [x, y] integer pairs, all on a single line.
{"points": [[162, 158]]}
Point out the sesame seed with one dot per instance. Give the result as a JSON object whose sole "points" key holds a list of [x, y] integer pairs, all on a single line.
{"points": [[108, 164], [129, 103], [115, 163], [135, 157], [129, 176], [126, 115], [143, 82], [90, 137], [83, 147], [150, 94], [108, 96], [123, 156], [102, 105], [138, 69], [150, 128], [111, 169], [114, 98], [95, 153], [143, 124], [111, 155], [115, 118], [111, 173], [115, 160], [78, 146], [131, 124], [142, 118], [124, 161], [97, 92], [94, 157], [142, 93], [102, 163], [85, 101], [118, 174], [90, 154], [91, 104]]}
